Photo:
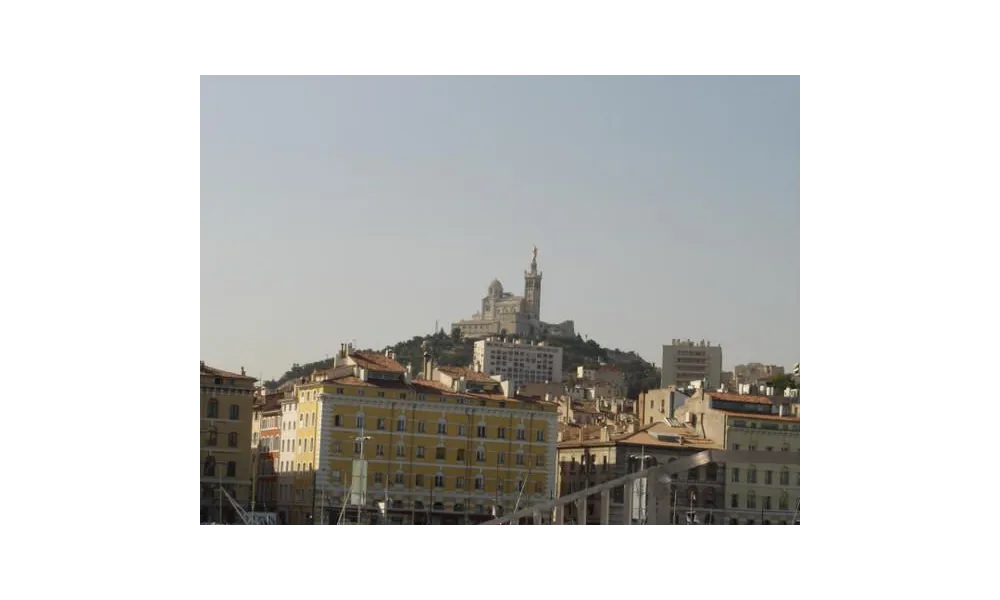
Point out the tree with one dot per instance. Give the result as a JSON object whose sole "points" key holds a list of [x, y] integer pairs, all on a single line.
{"points": [[456, 335], [780, 382]]}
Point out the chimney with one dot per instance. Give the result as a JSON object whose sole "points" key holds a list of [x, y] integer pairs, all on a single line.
{"points": [[604, 434], [202, 364], [559, 436], [243, 371], [781, 410]]}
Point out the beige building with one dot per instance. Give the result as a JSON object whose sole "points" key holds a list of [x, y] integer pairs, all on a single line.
{"points": [[655, 406], [766, 492], [685, 361], [503, 313], [226, 431], [518, 362], [589, 456]]}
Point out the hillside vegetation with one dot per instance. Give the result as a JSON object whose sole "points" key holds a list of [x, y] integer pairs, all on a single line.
{"points": [[449, 350]]}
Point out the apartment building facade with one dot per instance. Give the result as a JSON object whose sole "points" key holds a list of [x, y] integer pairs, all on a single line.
{"points": [[761, 493], [372, 441], [685, 361], [225, 435], [518, 362]]}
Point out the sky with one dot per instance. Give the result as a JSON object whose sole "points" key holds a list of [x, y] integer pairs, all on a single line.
{"points": [[368, 209]]}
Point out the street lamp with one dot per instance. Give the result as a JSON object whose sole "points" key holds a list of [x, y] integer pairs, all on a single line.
{"points": [[642, 466], [362, 467]]}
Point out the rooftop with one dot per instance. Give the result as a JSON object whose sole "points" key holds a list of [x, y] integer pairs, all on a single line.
{"points": [[375, 361], [212, 371]]}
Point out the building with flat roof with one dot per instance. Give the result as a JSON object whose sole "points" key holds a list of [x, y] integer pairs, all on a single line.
{"points": [[518, 361], [685, 361]]}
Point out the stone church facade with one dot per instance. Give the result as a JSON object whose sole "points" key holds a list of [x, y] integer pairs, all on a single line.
{"points": [[504, 313]]}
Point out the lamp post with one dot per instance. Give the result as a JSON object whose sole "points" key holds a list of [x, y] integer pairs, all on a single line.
{"points": [[362, 467]]}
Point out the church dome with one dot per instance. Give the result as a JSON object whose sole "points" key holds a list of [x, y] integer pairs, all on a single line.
{"points": [[496, 288]]}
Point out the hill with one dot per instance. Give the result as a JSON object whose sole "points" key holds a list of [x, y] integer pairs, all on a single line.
{"points": [[640, 375]]}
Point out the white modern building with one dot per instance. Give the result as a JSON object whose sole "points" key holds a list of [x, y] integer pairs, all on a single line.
{"points": [[517, 361], [685, 361]]}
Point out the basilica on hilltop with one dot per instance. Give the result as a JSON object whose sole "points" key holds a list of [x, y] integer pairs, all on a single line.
{"points": [[504, 313]]}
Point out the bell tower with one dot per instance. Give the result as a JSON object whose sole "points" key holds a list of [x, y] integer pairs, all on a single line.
{"points": [[533, 287]]}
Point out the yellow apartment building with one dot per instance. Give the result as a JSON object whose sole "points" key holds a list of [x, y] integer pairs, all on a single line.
{"points": [[225, 432], [450, 446], [762, 493]]}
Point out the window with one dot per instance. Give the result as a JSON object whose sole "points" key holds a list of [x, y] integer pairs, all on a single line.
{"points": [[783, 501], [480, 455], [539, 436], [399, 478], [479, 482], [213, 437], [336, 476], [380, 394], [337, 447], [231, 469], [420, 451], [539, 461], [439, 453], [420, 426], [752, 474], [501, 432], [379, 450], [312, 444], [520, 433], [380, 424], [460, 455], [736, 475], [234, 439], [519, 459], [212, 411], [751, 499], [520, 485], [400, 424], [767, 477], [538, 487], [770, 448], [783, 476], [752, 447], [460, 483], [461, 430], [499, 487], [500, 458], [209, 466], [357, 447], [481, 431], [359, 422], [443, 428], [419, 481], [785, 447], [379, 477], [736, 447], [400, 450], [767, 502], [439, 481]]}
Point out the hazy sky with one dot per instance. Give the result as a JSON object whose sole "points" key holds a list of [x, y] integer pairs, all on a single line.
{"points": [[340, 208]]}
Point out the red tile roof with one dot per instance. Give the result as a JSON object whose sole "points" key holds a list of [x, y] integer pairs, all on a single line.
{"points": [[742, 415], [207, 370], [468, 373], [741, 398], [375, 361]]}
